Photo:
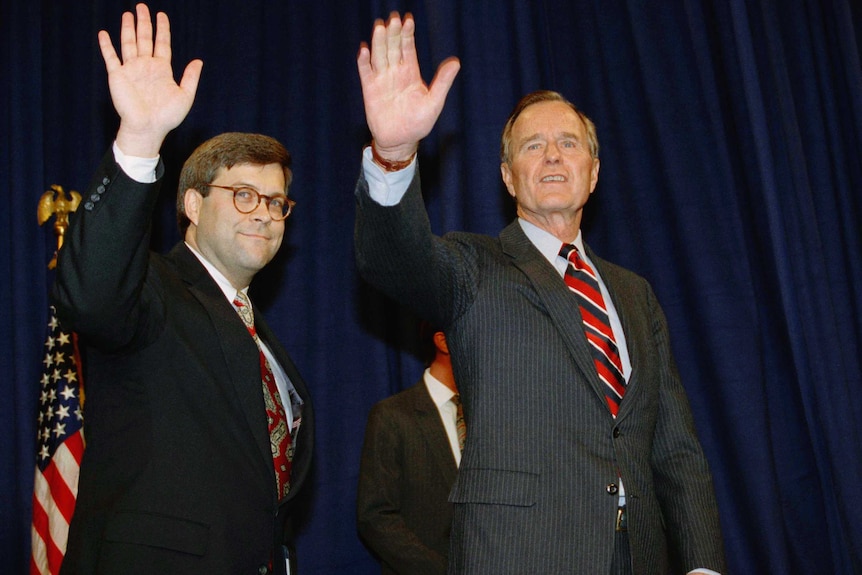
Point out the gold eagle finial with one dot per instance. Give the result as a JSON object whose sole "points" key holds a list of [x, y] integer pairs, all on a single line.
{"points": [[55, 202]]}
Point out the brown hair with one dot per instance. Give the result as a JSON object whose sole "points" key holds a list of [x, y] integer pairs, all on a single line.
{"points": [[225, 151], [535, 98]]}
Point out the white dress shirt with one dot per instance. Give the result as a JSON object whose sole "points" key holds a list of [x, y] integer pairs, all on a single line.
{"points": [[442, 398]]}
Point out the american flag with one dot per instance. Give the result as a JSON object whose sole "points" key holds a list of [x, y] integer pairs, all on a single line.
{"points": [[61, 445]]}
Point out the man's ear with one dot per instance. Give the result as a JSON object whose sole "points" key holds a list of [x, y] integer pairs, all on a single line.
{"points": [[192, 201], [594, 175], [506, 173]]}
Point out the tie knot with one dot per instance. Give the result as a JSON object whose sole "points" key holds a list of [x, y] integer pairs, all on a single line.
{"points": [[571, 253], [243, 308]]}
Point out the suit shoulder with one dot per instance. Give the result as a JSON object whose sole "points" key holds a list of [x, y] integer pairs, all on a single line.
{"points": [[404, 401]]}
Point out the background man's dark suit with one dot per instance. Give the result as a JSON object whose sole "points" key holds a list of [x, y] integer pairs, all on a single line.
{"points": [[177, 475], [405, 476], [537, 486]]}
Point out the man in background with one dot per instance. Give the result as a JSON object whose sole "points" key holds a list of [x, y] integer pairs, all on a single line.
{"points": [[412, 449]]}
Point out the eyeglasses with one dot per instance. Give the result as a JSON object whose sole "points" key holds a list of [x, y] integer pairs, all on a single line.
{"points": [[246, 200]]}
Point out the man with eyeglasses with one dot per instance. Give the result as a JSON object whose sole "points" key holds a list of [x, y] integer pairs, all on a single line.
{"points": [[198, 424]]}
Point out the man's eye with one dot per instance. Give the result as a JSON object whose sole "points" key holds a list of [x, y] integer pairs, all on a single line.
{"points": [[245, 194], [277, 201]]}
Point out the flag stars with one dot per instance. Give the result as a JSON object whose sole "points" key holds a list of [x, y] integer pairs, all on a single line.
{"points": [[68, 392], [70, 376], [59, 429], [62, 412]]}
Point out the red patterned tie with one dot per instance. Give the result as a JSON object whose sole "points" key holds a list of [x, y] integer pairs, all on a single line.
{"points": [[597, 326], [276, 417]]}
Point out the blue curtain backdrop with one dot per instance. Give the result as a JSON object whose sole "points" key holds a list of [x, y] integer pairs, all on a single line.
{"points": [[731, 178]]}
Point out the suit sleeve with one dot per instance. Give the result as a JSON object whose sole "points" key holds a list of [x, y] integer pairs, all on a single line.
{"points": [[99, 287], [683, 481], [397, 253], [379, 500]]}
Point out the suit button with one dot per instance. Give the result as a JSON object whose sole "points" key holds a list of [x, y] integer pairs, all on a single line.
{"points": [[612, 489], [617, 432], [263, 570]]}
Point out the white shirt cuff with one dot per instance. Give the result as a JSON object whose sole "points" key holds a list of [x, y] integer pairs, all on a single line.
{"points": [[141, 170], [386, 188]]}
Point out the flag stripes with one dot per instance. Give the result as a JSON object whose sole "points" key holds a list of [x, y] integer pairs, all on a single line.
{"points": [[60, 448]]}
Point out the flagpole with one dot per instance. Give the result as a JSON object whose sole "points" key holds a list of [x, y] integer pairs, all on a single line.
{"points": [[60, 425]]}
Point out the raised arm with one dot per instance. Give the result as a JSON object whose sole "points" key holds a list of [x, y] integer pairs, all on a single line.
{"points": [[399, 107], [146, 96]]}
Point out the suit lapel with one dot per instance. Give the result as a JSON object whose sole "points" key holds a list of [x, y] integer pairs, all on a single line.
{"points": [[558, 299], [618, 291], [433, 433], [238, 350]]}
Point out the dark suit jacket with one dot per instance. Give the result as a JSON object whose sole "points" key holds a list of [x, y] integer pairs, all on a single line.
{"points": [[177, 475], [537, 488], [405, 475]]}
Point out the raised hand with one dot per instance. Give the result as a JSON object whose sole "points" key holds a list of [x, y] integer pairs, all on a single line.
{"points": [[399, 107], [150, 103]]}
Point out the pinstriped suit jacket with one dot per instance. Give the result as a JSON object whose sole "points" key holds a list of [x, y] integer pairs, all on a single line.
{"points": [[405, 477], [536, 487]]}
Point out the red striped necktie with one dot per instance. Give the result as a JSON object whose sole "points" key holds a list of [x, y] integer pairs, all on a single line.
{"points": [[582, 280], [276, 417]]}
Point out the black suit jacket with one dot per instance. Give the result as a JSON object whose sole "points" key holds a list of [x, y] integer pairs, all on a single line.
{"points": [[537, 489], [177, 475], [405, 476]]}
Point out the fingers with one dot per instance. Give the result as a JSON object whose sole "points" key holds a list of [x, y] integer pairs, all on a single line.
{"points": [[363, 62], [128, 43], [144, 31], [109, 55], [191, 77], [162, 48], [443, 79], [408, 42], [393, 40], [379, 58]]}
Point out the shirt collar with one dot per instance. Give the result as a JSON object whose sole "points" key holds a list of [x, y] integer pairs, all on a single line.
{"points": [[223, 283], [549, 245], [440, 394]]}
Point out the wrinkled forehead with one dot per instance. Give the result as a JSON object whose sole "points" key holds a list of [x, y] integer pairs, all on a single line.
{"points": [[548, 118]]}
